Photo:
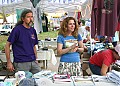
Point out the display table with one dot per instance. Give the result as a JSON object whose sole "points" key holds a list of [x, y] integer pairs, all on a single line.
{"points": [[47, 82], [79, 81], [46, 78], [42, 55], [50, 44], [47, 55], [3, 57]]}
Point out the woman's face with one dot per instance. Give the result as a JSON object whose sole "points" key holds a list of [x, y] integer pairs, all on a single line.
{"points": [[71, 25]]}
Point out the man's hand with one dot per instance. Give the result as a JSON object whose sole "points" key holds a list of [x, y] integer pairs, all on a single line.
{"points": [[36, 61], [10, 66]]}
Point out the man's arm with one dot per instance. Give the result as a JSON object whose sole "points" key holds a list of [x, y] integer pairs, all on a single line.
{"points": [[35, 51], [104, 70], [7, 52]]}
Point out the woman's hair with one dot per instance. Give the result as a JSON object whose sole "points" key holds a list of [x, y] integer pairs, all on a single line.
{"points": [[23, 15], [64, 27]]}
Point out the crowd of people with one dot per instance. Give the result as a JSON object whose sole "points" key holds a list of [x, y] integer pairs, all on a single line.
{"points": [[70, 46]]}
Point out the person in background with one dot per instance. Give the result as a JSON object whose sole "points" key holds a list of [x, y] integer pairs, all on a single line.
{"points": [[84, 31], [69, 46], [23, 39], [81, 29], [100, 62], [115, 39], [86, 36]]}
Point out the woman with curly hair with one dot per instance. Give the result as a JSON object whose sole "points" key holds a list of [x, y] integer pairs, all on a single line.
{"points": [[69, 46]]}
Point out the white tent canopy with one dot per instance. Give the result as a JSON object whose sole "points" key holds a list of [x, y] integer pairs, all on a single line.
{"points": [[48, 6], [10, 7]]}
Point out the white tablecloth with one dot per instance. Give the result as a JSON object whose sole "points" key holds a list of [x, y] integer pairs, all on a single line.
{"points": [[3, 57], [49, 43], [47, 55], [42, 55], [48, 82], [44, 78]]}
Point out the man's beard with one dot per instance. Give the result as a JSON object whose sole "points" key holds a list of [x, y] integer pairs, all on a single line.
{"points": [[30, 23]]}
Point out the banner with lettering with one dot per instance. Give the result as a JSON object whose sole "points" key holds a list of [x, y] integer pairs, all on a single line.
{"points": [[61, 1], [6, 2]]}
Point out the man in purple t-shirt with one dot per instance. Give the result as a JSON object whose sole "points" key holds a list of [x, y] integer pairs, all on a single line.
{"points": [[23, 39]]}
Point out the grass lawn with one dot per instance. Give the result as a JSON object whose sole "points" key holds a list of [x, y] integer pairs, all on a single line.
{"points": [[42, 36], [51, 34], [3, 40]]}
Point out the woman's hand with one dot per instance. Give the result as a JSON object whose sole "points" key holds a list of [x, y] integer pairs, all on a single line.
{"points": [[74, 47]]}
